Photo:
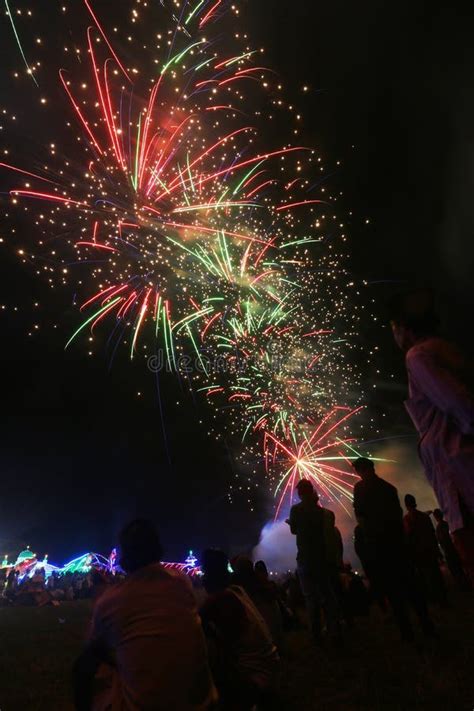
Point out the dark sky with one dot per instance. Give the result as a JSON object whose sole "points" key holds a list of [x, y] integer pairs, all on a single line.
{"points": [[391, 97]]}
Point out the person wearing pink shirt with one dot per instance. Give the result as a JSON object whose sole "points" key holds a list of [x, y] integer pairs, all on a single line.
{"points": [[441, 406]]}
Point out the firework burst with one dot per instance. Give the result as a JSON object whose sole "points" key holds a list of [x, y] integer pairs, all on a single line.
{"points": [[192, 237]]}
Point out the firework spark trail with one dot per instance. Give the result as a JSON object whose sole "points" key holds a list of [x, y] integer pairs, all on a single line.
{"points": [[204, 235], [12, 22], [99, 27]]}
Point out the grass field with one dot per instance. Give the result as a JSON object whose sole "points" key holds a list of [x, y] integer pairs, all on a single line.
{"points": [[37, 648], [373, 672]]}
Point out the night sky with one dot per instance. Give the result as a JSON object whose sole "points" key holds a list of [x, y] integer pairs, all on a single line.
{"points": [[391, 98]]}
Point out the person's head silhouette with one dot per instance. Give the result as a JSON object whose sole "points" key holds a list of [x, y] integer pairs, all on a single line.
{"points": [[215, 566], [410, 502], [412, 317], [261, 570], [364, 467], [139, 545], [438, 514], [306, 491]]}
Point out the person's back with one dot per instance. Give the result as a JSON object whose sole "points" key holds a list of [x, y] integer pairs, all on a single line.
{"points": [[307, 523], [441, 405], [421, 536], [424, 550], [245, 661], [262, 593], [245, 639], [318, 558], [146, 641], [390, 570], [378, 510], [256, 648], [150, 624], [440, 386]]}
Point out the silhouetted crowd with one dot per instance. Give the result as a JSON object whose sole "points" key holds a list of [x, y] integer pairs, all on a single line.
{"points": [[38, 590], [160, 640]]}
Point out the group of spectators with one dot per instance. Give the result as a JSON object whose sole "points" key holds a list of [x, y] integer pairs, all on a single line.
{"points": [[161, 641], [158, 643], [36, 590], [401, 555]]}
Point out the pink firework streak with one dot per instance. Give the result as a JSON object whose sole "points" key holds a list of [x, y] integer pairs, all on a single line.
{"points": [[317, 456]]}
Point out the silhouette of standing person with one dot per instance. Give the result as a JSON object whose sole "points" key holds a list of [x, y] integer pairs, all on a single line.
{"points": [[424, 550], [441, 405], [318, 553], [379, 515]]}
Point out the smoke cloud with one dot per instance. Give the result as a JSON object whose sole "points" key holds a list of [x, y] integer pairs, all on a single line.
{"points": [[277, 547]]}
